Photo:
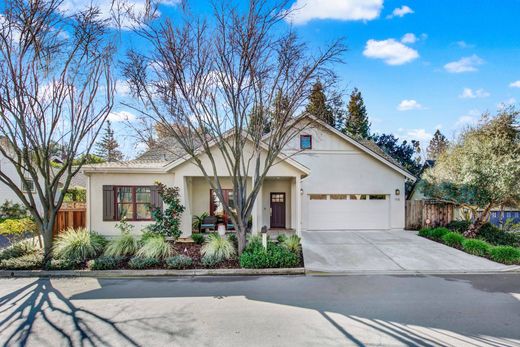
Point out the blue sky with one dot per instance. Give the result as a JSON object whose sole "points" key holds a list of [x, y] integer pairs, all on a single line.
{"points": [[420, 65]]}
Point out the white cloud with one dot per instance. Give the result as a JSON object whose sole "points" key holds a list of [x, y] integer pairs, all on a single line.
{"points": [[407, 105], [121, 116], [409, 38], [464, 44], [466, 120], [466, 64], [515, 84], [419, 134], [390, 51], [108, 8], [468, 93], [400, 12], [304, 11], [122, 88]]}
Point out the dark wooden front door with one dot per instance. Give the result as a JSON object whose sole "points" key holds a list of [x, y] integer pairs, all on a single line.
{"points": [[277, 210]]}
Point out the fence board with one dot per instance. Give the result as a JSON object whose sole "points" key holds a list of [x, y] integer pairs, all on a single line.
{"points": [[421, 213], [71, 215]]}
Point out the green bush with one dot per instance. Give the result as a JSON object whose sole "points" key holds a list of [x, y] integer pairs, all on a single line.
{"points": [[476, 247], [155, 247], [425, 232], [459, 226], [438, 233], [75, 194], [208, 261], [106, 263], [276, 256], [18, 249], [453, 239], [143, 263], [126, 244], [178, 262], [146, 234], [18, 228], [234, 240], [168, 223], [219, 248], [292, 243], [78, 245], [61, 264], [495, 236], [25, 262], [505, 254], [198, 238], [281, 238], [10, 210]]}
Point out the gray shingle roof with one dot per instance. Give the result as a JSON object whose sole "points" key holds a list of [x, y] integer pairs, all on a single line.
{"points": [[166, 150]]}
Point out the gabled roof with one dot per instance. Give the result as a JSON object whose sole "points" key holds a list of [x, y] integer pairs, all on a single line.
{"points": [[367, 146]]}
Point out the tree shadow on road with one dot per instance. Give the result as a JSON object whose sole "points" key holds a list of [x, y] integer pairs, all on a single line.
{"points": [[38, 311]]}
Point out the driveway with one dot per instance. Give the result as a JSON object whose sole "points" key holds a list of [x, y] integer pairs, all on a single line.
{"points": [[386, 251]]}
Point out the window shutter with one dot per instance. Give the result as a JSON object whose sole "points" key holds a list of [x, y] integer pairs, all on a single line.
{"points": [[108, 203], [156, 198]]}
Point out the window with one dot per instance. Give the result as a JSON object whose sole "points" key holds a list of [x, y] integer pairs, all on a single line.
{"points": [[133, 202], [277, 197], [318, 196], [305, 142], [216, 207], [28, 185], [377, 197], [338, 196]]}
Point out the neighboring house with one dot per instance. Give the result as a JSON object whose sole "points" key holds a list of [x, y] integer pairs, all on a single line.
{"points": [[325, 180]]}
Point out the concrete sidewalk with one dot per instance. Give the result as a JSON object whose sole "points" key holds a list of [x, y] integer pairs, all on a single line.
{"points": [[385, 251]]}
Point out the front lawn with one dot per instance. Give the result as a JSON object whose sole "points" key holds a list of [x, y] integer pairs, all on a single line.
{"points": [[492, 243]]}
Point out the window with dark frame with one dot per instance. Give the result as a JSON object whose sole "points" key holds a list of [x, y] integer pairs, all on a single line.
{"points": [[305, 142], [28, 185], [133, 202]]}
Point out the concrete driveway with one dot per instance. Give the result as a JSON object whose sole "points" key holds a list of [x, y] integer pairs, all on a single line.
{"points": [[385, 251]]}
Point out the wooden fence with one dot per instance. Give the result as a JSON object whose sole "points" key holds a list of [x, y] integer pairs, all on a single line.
{"points": [[71, 215], [421, 214]]}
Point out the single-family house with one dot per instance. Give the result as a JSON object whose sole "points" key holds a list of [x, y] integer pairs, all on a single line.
{"points": [[324, 180]]}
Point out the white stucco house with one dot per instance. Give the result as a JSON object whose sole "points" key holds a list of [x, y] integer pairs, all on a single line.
{"points": [[325, 180]]}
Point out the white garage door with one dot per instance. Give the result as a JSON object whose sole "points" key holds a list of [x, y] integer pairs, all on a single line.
{"points": [[348, 211]]}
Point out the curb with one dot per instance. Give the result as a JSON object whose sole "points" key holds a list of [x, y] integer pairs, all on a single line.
{"points": [[514, 270], [151, 273]]}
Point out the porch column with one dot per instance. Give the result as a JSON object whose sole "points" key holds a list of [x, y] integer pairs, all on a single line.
{"points": [[294, 217], [184, 194], [257, 211], [298, 186]]}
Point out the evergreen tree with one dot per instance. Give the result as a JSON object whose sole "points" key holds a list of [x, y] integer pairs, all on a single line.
{"points": [[318, 105], [108, 148], [356, 122], [438, 144]]}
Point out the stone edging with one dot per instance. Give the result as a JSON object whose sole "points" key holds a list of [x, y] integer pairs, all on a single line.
{"points": [[150, 273]]}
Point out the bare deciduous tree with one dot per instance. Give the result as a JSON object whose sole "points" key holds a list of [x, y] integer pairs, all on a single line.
{"points": [[218, 81], [55, 88]]}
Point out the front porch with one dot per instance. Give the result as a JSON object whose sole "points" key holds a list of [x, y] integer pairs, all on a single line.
{"points": [[276, 206]]}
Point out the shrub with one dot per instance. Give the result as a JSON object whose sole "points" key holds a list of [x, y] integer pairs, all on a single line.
{"points": [[276, 256], [459, 226], [146, 234], [125, 245], [61, 264], [198, 238], [292, 243], [78, 245], [18, 249], [425, 232], [18, 228], [168, 223], [25, 262], [105, 263], [234, 240], [495, 236], [155, 247], [476, 247], [438, 233], [178, 262], [143, 263], [75, 194], [197, 221], [505, 254], [210, 261], [217, 247], [453, 239], [10, 210], [281, 238]]}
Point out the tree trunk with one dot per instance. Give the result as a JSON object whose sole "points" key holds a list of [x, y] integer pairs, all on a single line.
{"points": [[241, 237], [474, 227]]}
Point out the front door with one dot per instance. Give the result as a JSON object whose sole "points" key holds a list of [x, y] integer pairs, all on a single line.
{"points": [[278, 210]]}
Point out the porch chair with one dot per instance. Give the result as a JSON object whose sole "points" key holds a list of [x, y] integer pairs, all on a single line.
{"points": [[209, 223]]}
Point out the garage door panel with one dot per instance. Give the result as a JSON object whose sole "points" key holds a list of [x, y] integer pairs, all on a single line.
{"points": [[348, 214]]}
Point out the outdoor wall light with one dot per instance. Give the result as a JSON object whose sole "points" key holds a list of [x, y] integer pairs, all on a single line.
{"points": [[301, 191], [397, 192]]}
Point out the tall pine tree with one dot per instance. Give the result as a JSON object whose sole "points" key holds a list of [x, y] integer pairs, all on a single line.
{"points": [[356, 122], [108, 148], [438, 144], [318, 105]]}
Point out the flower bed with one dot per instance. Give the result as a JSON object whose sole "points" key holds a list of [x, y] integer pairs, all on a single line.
{"points": [[501, 253]]}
